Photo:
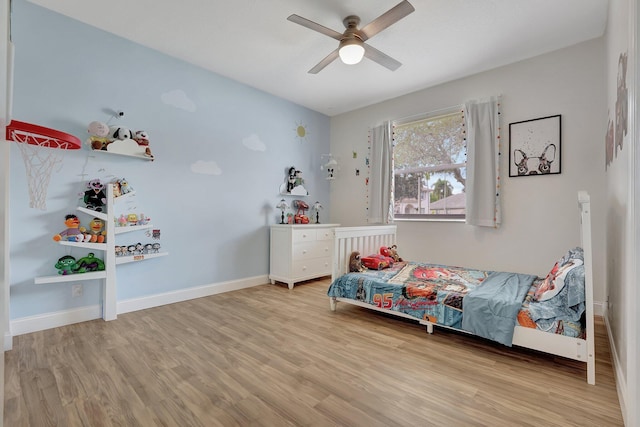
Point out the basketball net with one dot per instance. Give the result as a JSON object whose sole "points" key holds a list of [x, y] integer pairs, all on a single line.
{"points": [[41, 155]]}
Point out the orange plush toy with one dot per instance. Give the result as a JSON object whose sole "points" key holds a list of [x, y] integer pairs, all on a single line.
{"points": [[73, 233]]}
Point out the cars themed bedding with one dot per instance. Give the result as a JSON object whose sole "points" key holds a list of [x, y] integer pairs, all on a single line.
{"points": [[486, 303]]}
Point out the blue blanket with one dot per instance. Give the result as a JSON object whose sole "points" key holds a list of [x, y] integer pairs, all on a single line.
{"points": [[491, 310]]}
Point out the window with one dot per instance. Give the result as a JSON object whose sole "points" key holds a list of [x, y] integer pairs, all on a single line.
{"points": [[429, 157]]}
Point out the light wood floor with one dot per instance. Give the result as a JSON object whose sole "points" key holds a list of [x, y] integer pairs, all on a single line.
{"points": [[268, 356]]}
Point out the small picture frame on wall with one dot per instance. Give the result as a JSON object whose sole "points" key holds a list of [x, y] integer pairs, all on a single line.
{"points": [[534, 146]]}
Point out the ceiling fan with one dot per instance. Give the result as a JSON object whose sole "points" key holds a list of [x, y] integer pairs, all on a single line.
{"points": [[352, 45]]}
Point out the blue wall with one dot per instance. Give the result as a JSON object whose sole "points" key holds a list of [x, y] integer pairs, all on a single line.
{"points": [[215, 224]]}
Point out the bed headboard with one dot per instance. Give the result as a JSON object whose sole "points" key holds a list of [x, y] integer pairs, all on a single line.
{"points": [[366, 240]]}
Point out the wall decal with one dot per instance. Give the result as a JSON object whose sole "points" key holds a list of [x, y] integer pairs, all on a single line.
{"points": [[206, 168], [178, 99], [254, 143], [617, 127]]}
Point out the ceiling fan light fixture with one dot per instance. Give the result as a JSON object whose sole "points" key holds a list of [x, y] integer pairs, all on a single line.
{"points": [[351, 51]]}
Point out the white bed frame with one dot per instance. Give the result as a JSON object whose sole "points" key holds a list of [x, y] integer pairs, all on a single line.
{"points": [[368, 239]]}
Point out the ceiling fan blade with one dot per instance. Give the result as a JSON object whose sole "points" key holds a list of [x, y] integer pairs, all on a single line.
{"points": [[381, 58], [326, 61], [315, 26], [388, 18]]}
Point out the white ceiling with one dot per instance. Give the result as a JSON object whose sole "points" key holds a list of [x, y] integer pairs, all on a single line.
{"points": [[252, 42]]}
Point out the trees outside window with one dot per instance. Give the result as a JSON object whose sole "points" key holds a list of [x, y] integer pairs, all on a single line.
{"points": [[430, 166]]}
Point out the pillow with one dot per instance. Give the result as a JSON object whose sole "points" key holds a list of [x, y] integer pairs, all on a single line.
{"points": [[555, 280]]}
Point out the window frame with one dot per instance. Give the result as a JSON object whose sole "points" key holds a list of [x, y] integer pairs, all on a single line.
{"points": [[434, 168]]}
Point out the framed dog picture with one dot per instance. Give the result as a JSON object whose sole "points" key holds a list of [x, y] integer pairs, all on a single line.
{"points": [[534, 146]]}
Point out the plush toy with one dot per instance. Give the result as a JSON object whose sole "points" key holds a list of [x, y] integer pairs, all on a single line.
{"points": [[98, 135], [121, 133], [355, 263], [142, 138], [88, 263], [73, 233], [96, 231], [377, 261], [394, 253], [116, 188], [391, 252], [66, 265], [291, 179], [94, 197], [124, 186]]}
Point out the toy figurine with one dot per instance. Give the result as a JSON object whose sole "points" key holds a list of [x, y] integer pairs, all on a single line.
{"points": [[132, 219], [291, 179], [66, 265], [143, 220], [142, 138], [89, 263], [94, 197], [122, 221], [124, 186], [300, 216], [73, 233], [96, 232]]}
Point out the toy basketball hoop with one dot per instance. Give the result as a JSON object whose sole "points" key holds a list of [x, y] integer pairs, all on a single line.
{"points": [[42, 149]]}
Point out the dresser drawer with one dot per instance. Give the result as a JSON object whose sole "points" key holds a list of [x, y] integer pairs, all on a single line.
{"points": [[314, 249], [312, 267], [324, 234], [304, 235]]}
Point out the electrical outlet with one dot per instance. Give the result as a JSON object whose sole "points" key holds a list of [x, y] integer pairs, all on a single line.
{"points": [[76, 290]]}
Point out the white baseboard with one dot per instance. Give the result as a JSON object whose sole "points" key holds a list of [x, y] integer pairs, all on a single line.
{"points": [[157, 300], [45, 321], [55, 319], [621, 381], [599, 308]]}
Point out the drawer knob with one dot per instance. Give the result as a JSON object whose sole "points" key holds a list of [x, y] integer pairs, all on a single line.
{"points": [[304, 251]]}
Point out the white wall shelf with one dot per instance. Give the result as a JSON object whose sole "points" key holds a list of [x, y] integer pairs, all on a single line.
{"points": [[140, 257], [60, 278], [109, 288], [87, 245], [130, 228], [137, 156], [101, 215]]}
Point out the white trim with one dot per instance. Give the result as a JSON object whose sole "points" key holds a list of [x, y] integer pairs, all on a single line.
{"points": [[619, 378], [41, 322], [157, 300]]}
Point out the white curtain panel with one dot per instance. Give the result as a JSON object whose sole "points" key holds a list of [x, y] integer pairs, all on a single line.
{"points": [[380, 174], [483, 163]]}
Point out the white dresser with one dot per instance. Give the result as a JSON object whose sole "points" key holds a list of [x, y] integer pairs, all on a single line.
{"points": [[300, 252]]}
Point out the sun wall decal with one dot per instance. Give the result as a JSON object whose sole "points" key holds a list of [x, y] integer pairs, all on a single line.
{"points": [[301, 132]]}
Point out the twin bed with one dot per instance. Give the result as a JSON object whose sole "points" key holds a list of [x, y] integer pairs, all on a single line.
{"points": [[552, 314]]}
